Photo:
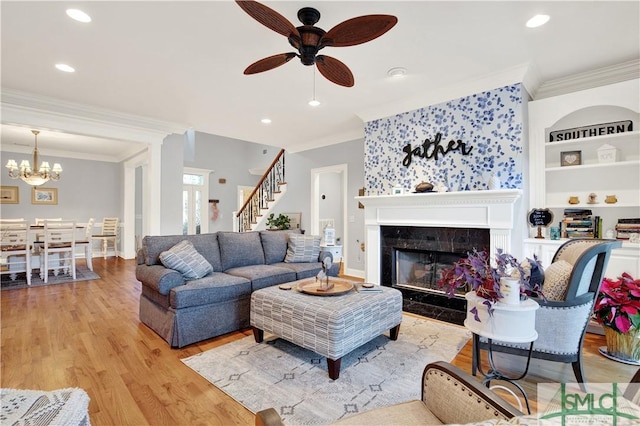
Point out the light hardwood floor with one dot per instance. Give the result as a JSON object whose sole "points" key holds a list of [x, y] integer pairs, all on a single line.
{"points": [[88, 335]]}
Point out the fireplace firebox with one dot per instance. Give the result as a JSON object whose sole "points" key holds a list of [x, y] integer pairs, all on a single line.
{"points": [[413, 259]]}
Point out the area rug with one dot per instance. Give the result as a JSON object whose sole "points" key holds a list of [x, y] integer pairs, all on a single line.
{"points": [[82, 274], [20, 407], [295, 381]]}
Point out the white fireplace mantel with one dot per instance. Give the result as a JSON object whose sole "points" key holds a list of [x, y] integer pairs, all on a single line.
{"points": [[495, 210]]}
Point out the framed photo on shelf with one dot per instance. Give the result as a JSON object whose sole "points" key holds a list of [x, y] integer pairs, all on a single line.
{"points": [[397, 190], [570, 158], [44, 195], [294, 219], [9, 195]]}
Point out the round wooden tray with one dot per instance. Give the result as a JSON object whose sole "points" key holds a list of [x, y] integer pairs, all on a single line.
{"points": [[313, 287]]}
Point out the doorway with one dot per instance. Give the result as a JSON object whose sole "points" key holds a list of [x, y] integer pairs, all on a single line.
{"points": [[329, 201], [195, 187]]}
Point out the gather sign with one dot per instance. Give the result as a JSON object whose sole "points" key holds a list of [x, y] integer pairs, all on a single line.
{"points": [[433, 148]]}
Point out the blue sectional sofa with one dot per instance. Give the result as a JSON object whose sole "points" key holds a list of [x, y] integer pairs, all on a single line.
{"points": [[187, 311]]}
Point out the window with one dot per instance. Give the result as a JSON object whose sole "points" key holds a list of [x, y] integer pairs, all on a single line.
{"points": [[195, 192]]}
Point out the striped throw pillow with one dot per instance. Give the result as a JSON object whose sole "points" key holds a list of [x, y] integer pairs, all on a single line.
{"points": [[184, 258], [302, 248]]}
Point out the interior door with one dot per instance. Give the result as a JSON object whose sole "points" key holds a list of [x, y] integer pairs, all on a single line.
{"points": [[194, 202]]}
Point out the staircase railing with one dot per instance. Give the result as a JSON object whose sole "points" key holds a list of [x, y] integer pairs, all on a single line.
{"points": [[262, 194]]}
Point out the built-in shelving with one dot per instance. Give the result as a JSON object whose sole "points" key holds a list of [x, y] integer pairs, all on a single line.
{"points": [[553, 184]]}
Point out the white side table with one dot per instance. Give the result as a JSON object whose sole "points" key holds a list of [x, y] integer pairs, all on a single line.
{"points": [[336, 252], [490, 328]]}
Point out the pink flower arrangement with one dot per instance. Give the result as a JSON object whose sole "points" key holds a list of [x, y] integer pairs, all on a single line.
{"points": [[618, 303]]}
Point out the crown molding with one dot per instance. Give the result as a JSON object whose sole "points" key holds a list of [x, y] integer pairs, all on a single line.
{"points": [[25, 108], [27, 151], [624, 71]]}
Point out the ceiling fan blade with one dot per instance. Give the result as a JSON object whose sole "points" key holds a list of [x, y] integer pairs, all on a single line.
{"points": [[358, 30], [269, 63], [334, 70], [269, 18]]}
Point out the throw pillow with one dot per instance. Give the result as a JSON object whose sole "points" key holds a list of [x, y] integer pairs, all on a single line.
{"points": [[556, 281], [184, 258], [303, 248], [274, 244]]}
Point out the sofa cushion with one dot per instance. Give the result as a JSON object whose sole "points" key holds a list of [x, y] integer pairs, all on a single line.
{"points": [[184, 258], [303, 248], [302, 269], [309, 269], [274, 244], [240, 249], [262, 276], [556, 280], [217, 287], [206, 244]]}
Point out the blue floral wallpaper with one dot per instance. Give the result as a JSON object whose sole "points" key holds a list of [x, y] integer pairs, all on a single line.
{"points": [[458, 144]]}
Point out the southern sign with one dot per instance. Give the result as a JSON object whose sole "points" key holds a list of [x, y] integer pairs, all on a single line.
{"points": [[590, 131]]}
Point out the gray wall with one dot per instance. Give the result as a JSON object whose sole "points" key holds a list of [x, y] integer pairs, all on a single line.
{"points": [[230, 159], [94, 188], [86, 189]]}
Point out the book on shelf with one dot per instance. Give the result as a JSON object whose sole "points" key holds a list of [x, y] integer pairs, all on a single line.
{"points": [[627, 226], [580, 223]]}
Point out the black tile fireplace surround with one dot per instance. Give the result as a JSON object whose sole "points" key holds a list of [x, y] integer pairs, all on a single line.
{"points": [[428, 239]]}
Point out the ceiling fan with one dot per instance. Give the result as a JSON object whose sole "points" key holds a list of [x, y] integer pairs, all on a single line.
{"points": [[308, 39]]}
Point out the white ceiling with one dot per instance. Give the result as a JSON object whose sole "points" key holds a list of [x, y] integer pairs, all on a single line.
{"points": [[182, 62]]}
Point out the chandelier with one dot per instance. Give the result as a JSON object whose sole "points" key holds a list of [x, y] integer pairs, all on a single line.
{"points": [[30, 176]]}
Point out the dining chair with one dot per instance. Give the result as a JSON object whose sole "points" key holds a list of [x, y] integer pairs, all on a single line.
{"points": [[58, 251], [109, 234], [40, 221], [87, 243], [39, 236], [15, 253]]}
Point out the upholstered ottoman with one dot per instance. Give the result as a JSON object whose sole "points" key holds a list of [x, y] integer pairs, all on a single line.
{"points": [[331, 326]]}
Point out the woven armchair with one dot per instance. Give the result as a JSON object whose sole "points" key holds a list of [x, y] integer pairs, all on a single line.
{"points": [[561, 325], [449, 395]]}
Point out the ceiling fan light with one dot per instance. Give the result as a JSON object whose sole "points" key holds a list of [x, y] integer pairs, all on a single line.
{"points": [[538, 21], [314, 102], [266, 121]]}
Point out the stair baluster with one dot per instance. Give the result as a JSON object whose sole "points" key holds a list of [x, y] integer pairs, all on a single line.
{"points": [[262, 194]]}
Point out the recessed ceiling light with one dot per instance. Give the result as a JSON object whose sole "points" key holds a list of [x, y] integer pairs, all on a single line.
{"points": [[397, 72], [314, 102], [538, 21], [65, 68], [78, 15], [266, 121]]}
